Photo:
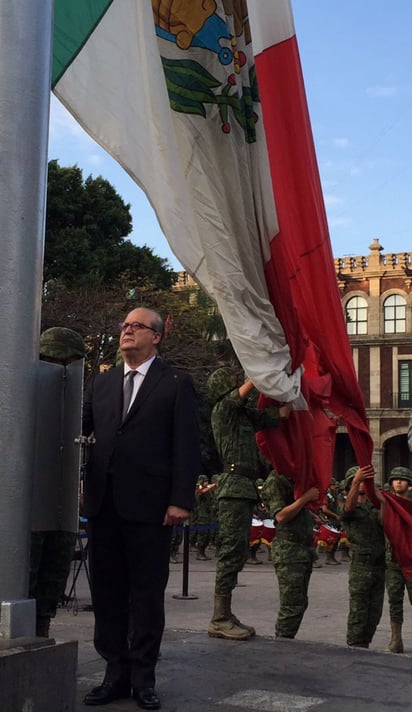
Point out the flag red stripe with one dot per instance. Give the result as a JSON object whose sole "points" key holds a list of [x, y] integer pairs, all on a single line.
{"points": [[301, 270], [302, 252]]}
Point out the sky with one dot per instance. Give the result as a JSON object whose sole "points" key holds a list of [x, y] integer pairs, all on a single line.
{"points": [[356, 58]]}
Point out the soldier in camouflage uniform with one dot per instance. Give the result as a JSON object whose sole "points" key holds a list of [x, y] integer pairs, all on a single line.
{"points": [[194, 524], [330, 510], [292, 549], [214, 524], [260, 512], [400, 479], [175, 542], [204, 507], [234, 424], [52, 552], [362, 522]]}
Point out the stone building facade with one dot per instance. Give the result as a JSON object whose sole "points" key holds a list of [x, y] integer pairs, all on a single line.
{"points": [[376, 297]]}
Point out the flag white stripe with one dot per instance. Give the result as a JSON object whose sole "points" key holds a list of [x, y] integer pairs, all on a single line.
{"points": [[271, 22]]}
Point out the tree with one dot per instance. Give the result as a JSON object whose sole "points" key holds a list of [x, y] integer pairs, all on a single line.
{"points": [[93, 277], [95, 312], [87, 223], [192, 343]]}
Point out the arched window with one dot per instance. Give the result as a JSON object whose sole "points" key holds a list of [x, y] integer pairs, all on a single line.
{"points": [[394, 314], [356, 313]]}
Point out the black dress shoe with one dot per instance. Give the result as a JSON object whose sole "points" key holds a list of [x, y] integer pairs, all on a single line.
{"points": [[146, 698], [107, 692]]}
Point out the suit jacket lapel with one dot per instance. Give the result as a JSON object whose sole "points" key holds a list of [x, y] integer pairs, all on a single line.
{"points": [[152, 377], [118, 377]]}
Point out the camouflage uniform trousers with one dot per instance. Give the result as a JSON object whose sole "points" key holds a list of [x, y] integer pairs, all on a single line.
{"points": [[293, 566], [214, 526], [203, 521], [366, 593], [193, 527], [235, 518], [395, 586], [203, 531], [177, 538], [50, 559]]}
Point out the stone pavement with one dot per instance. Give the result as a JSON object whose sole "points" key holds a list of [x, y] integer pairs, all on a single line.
{"points": [[316, 672]]}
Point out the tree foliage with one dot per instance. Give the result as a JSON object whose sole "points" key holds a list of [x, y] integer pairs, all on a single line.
{"points": [[87, 224], [94, 276], [95, 312], [196, 341]]}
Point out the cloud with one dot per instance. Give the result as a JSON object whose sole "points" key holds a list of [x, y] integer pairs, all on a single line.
{"points": [[332, 200], [67, 139], [339, 221], [95, 159], [381, 91], [341, 142], [62, 123]]}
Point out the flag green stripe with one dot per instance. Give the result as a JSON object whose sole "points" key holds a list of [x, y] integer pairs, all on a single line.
{"points": [[74, 22]]}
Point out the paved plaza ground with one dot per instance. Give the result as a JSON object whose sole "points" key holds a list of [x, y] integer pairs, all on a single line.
{"points": [[316, 672]]}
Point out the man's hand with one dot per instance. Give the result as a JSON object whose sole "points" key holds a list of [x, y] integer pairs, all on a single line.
{"points": [[285, 410], [175, 516], [364, 473], [312, 494], [246, 388], [316, 518]]}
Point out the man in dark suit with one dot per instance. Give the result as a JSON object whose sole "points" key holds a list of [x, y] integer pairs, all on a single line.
{"points": [[140, 481]]}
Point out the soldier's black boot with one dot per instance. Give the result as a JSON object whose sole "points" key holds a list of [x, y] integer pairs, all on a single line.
{"points": [[252, 556], [330, 559], [201, 555]]}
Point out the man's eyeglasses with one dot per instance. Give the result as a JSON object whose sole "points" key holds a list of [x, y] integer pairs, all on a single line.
{"points": [[135, 326]]}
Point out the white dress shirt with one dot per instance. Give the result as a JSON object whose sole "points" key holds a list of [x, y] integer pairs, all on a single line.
{"points": [[141, 371]]}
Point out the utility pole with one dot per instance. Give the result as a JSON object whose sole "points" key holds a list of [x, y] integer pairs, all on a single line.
{"points": [[25, 68]]}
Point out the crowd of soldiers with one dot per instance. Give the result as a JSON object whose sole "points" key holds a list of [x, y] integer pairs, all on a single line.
{"points": [[355, 532], [347, 521]]}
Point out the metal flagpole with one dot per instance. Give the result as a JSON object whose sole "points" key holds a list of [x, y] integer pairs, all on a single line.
{"points": [[25, 68]]}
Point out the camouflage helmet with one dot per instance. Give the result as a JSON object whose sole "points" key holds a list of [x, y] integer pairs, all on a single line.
{"points": [[400, 473], [221, 382], [61, 344], [349, 475]]}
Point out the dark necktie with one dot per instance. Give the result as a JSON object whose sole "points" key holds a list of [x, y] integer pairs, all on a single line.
{"points": [[127, 392]]}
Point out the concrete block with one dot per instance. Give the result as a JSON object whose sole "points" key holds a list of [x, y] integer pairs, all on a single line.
{"points": [[37, 675], [18, 618]]}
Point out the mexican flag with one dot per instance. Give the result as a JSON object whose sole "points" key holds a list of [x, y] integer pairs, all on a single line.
{"points": [[203, 103]]}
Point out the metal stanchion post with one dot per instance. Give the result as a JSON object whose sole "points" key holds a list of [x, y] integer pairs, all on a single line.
{"points": [[185, 582]]}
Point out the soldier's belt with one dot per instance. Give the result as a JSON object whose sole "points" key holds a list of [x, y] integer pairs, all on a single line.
{"points": [[289, 536], [239, 469], [368, 557]]}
